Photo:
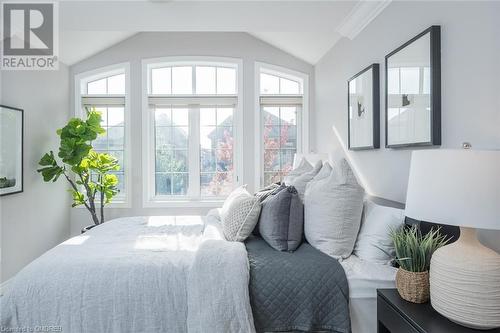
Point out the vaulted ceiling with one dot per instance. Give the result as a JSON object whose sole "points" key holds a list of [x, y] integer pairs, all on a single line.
{"points": [[305, 29]]}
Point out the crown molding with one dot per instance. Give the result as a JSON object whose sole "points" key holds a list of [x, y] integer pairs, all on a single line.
{"points": [[360, 16]]}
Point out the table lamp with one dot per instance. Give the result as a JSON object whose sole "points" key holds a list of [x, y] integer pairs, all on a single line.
{"points": [[460, 188]]}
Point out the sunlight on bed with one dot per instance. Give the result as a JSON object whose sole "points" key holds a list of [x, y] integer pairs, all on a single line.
{"points": [[157, 221], [166, 242], [78, 240]]}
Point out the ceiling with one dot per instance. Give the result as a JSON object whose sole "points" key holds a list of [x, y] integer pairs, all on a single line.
{"points": [[305, 29]]}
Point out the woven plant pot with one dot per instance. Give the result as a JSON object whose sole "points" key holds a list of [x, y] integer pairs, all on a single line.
{"points": [[413, 286]]}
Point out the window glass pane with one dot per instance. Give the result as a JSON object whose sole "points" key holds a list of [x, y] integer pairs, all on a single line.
{"points": [[116, 116], [271, 177], [207, 157], [97, 87], [163, 138], [116, 84], [104, 115], [269, 84], [182, 80], [226, 80], [181, 160], [163, 184], [286, 160], [271, 159], [205, 80], [163, 160], [179, 184], [180, 137], [162, 117], [121, 182], [180, 117], [288, 115], [217, 184], [225, 116], [216, 139], [161, 81], [289, 86], [116, 138], [271, 115], [118, 154], [208, 136], [207, 117], [101, 143]]}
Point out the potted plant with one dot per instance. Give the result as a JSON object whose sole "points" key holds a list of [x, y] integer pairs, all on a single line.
{"points": [[88, 172], [413, 254]]}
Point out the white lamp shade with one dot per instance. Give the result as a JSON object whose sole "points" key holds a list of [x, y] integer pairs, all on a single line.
{"points": [[455, 187]]}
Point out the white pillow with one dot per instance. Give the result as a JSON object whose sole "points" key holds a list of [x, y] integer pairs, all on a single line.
{"points": [[332, 212], [301, 181], [373, 243], [237, 192], [241, 217], [326, 171], [303, 167]]}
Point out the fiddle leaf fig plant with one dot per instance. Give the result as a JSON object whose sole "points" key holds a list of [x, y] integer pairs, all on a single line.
{"points": [[88, 172]]}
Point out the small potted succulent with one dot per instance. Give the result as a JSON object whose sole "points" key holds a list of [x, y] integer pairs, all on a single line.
{"points": [[413, 254]]}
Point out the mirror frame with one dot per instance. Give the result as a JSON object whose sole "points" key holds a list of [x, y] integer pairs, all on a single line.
{"points": [[22, 148], [435, 88], [375, 108]]}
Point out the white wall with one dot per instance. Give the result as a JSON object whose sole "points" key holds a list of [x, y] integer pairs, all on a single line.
{"points": [[160, 44], [38, 218], [470, 56]]}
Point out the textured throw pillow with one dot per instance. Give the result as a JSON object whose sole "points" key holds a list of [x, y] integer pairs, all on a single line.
{"points": [[332, 212], [238, 192], [301, 181], [281, 222], [303, 167], [241, 217], [373, 243]]}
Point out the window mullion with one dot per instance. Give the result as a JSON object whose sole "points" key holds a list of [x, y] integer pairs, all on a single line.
{"points": [[194, 151]]}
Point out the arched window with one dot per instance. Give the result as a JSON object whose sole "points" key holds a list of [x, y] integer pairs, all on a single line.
{"points": [[192, 116], [107, 90]]}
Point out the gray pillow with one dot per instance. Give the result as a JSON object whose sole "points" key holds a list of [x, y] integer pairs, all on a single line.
{"points": [[263, 194], [281, 222]]}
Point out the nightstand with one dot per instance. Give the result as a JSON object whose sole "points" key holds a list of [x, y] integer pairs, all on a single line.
{"points": [[395, 315]]}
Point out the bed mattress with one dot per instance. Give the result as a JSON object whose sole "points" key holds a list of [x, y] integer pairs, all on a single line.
{"points": [[366, 277]]}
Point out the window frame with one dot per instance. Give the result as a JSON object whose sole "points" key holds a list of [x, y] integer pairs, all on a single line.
{"points": [[302, 112], [100, 73], [150, 199]]}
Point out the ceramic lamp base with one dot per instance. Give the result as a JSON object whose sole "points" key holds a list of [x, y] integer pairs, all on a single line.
{"points": [[465, 282]]}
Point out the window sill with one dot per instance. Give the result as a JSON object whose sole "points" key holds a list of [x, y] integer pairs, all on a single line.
{"points": [[114, 204], [162, 203]]}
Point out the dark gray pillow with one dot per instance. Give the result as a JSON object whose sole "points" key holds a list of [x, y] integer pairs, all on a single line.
{"points": [[281, 222], [263, 194]]}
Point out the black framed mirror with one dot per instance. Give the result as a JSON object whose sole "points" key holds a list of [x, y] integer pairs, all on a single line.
{"points": [[363, 107], [413, 92]]}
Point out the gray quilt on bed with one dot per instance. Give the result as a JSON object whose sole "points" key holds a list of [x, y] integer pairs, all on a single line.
{"points": [[301, 291]]}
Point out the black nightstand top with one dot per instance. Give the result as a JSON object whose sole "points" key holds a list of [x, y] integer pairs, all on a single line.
{"points": [[421, 317]]}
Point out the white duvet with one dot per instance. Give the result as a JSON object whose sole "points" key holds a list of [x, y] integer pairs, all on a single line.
{"points": [[138, 274]]}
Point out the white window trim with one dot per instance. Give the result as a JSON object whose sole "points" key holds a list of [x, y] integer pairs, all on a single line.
{"points": [[149, 200], [303, 116], [121, 68]]}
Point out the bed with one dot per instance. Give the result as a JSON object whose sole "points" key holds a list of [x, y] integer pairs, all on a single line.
{"points": [[178, 274]]}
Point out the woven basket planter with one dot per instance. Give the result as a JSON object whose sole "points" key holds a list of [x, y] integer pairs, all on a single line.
{"points": [[413, 286]]}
